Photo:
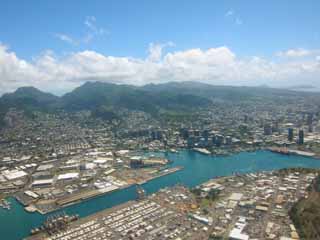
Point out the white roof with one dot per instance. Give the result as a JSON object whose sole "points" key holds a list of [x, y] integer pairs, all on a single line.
{"points": [[95, 153], [44, 167], [42, 182], [122, 152], [23, 158], [100, 161], [90, 166], [109, 171], [109, 154], [236, 234], [31, 194], [14, 174], [236, 196], [68, 176]]}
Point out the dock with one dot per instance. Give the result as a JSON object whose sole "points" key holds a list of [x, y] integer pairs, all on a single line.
{"points": [[161, 174]]}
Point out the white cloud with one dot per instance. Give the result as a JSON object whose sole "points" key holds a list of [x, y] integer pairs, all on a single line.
{"points": [[218, 66], [155, 50], [293, 53], [238, 21], [65, 38], [92, 30], [229, 13], [233, 16], [90, 22]]}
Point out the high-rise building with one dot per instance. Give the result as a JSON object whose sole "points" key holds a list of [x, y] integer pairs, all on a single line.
{"points": [[290, 134], [275, 127], [267, 129], [229, 140], [310, 119], [219, 140], [190, 142], [184, 132], [246, 118], [203, 142], [196, 133], [156, 135], [301, 137], [213, 139], [205, 134]]}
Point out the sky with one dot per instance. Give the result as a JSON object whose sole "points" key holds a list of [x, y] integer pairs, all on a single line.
{"points": [[58, 45]]}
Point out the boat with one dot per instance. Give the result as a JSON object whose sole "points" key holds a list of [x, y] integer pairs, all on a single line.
{"points": [[172, 150], [202, 151], [5, 204]]}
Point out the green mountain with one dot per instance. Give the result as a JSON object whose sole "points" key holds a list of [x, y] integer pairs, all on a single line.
{"points": [[103, 99], [225, 93], [28, 99], [106, 99], [93, 95]]}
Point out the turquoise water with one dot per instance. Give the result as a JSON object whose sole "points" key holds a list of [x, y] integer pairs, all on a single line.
{"points": [[16, 223]]}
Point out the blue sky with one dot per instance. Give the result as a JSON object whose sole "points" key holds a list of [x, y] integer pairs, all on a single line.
{"points": [[34, 30]]}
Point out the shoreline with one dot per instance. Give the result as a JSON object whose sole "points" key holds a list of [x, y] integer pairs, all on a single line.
{"points": [[85, 196], [202, 184], [163, 173], [82, 209], [88, 195]]}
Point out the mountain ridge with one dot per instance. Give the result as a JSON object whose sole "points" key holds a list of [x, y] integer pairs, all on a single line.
{"points": [[150, 98]]}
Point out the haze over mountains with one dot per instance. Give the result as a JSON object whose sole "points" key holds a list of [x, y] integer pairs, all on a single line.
{"points": [[106, 99]]}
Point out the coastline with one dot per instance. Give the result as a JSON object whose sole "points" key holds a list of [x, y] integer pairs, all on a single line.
{"points": [[198, 168], [87, 195], [90, 194]]}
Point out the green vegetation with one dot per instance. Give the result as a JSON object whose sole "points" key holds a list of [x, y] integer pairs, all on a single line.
{"points": [[170, 101], [196, 191], [306, 213], [105, 113], [205, 200], [213, 194]]}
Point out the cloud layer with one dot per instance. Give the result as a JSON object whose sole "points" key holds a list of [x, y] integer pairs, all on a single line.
{"points": [[218, 66]]}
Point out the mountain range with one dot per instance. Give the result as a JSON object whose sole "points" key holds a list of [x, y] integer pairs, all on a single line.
{"points": [[105, 99]]}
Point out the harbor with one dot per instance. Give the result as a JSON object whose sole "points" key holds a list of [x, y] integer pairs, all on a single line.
{"points": [[197, 169], [225, 199], [89, 194]]}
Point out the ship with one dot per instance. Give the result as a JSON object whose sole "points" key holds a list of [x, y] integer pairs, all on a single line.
{"points": [[55, 223], [141, 193], [279, 150]]}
